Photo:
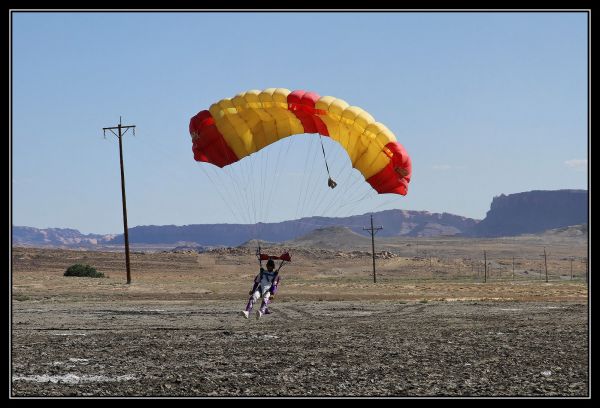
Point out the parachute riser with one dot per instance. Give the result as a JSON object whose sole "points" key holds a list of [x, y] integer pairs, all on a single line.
{"points": [[330, 181]]}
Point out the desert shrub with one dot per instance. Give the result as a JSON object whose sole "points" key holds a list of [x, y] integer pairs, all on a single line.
{"points": [[20, 297], [83, 270]]}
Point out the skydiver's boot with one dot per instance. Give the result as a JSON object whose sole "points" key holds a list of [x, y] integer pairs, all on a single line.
{"points": [[263, 307], [249, 307]]}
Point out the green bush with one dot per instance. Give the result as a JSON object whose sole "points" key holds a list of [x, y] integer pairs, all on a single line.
{"points": [[19, 297], [83, 270]]}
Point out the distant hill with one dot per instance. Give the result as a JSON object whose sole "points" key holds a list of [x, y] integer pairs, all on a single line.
{"points": [[579, 231], [343, 238], [57, 237], [331, 238], [397, 223], [533, 212], [530, 212], [571, 232]]}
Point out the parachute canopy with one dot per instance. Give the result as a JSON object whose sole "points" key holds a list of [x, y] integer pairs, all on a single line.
{"points": [[232, 129]]}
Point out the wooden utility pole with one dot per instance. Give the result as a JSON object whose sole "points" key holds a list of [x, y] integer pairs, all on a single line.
{"points": [[484, 267], [545, 265], [119, 136], [571, 267], [373, 231], [513, 275]]}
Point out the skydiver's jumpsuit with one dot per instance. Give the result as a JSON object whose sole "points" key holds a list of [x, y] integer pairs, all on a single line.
{"points": [[265, 284]]}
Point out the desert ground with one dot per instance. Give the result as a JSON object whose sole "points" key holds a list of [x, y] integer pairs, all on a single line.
{"points": [[436, 323]]}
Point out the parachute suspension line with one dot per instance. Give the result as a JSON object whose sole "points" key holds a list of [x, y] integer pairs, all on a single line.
{"points": [[251, 187], [247, 187], [335, 204], [354, 204], [218, 191], [277, 172], [234, 189], [272, 172], [361, 193], [226, 180], [313, 184], [262, 215], [346, 174], [261, 173], [358, 198], [384, 203], [257, 188], [347, 186], [292, 141], [301, 184], [356, 189], [263, 197], [309, 183], [304, 183], [237, 191], [330, 181], [242, 191], [323, 195], [315, 192], [164, 151], [352, 189], [345, 198]]}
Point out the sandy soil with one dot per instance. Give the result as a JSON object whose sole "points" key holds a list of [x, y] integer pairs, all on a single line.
{"points": [[177, 330]]}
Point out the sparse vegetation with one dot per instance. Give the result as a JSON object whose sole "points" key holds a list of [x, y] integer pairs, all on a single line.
{"points": [[83, 271], [21, 298]]}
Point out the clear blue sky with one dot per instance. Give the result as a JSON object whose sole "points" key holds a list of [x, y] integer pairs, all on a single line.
{"points": [[485, 104]]}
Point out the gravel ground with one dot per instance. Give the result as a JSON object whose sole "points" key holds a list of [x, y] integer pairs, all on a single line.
{"points": [[358, 348]]}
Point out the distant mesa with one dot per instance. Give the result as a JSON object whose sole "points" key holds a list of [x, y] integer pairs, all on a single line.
{"points": [[533, 212]]}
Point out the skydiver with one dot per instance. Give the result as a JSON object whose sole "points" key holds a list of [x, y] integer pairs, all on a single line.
{"points": [[265, 285]]}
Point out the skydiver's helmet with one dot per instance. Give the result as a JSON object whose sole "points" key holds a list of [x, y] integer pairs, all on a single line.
{"points": [[271, 263]]}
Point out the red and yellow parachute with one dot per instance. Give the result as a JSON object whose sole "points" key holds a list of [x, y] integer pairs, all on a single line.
{"points": [[234, 128]]}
